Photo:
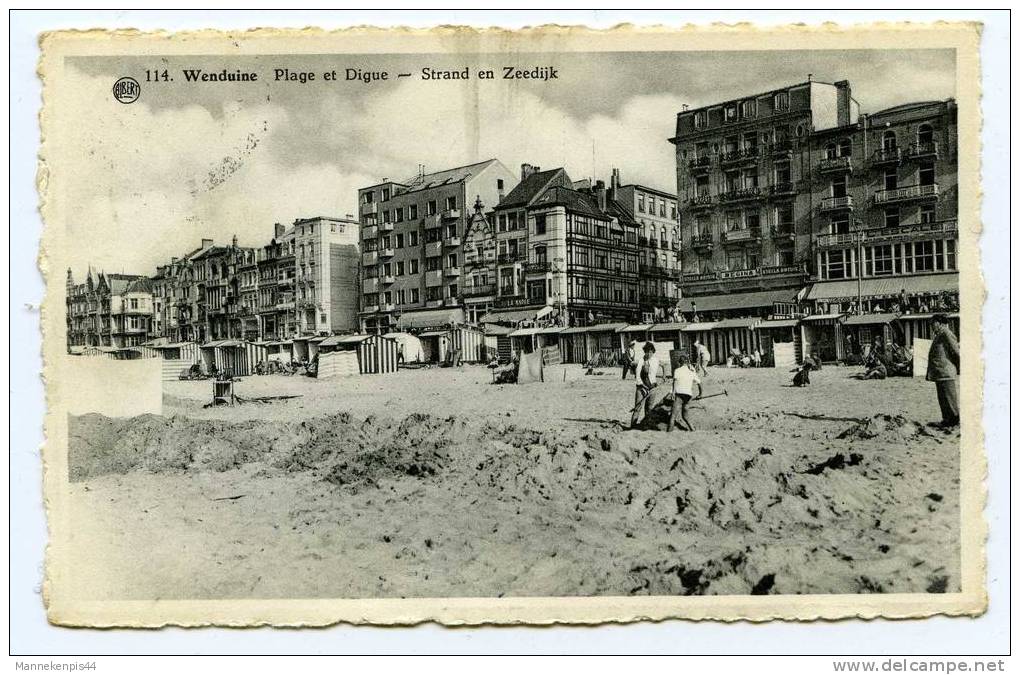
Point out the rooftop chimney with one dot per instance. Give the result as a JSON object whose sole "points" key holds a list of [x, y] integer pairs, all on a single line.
{"points": [[527, 170], [278, 230], [206, 243], [600, 194], [843, 103], [233, 241], [614, 182]]}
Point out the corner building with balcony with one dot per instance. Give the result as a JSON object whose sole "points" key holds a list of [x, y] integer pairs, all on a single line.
{"points": [[412, 244], [795, 186]]}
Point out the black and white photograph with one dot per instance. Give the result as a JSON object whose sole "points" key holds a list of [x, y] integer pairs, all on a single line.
{"points": [[492, 327]]}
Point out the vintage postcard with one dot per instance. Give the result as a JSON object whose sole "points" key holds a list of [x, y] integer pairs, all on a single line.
{"points": [[485, 326]]}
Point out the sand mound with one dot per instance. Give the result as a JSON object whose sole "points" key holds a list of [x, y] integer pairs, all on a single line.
{"points": [[886, 427]]}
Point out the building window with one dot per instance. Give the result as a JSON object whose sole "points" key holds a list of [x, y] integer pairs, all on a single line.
{"points": [[784, 218], [451, 203], [451, 260], [412, 238], [641, 203], [540, 255], [890, 179], [781, 100], [412, 212], [400, 238], [889, 140], [413, 263], [892, 216], [662, 209], [784, 257], [540, 224], [415, 295], [731, 112], [838, 187], [831, 151], [837, 265], [925, 134], [927, 213], [782, 173], [385, 194], [926, 174], [735, 260], [431, 207], [733, 221], [924, 256], [400, 268], [882, 261], [700, 118], [748, 109], [839, 224], [499, 183], [845, 148], [398, 215], [369, 197]]}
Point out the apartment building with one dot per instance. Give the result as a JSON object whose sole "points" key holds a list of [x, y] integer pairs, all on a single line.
{"points": [[108, 310], [412, 243], [326, 265], [276, 306], [777, 189], [659, 258]]}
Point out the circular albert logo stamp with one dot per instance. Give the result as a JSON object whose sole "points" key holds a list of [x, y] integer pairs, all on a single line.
{"points": [[127, 90]]}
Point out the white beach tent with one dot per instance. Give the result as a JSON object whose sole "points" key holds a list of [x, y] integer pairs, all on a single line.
{"points": [[411, 345]]}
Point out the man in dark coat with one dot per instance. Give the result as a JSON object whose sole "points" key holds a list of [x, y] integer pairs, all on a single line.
{"points": [[944, 368]]}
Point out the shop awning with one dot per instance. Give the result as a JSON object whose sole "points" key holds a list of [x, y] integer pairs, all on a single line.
{"points": [[430, 318], [670, 326], [495, 329], [637, 328], [550, 330], [330, 341], [434, 333], [221, 343], [738, 323], [885, 287], [725, 301], [606, 327], [822, 317], [515, 315], [778, 323], [697, 327], [924, 317], [870, 319], [524, 332], [350, 339]]}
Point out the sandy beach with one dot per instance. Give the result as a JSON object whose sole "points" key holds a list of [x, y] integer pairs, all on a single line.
{"points": [[438, 483]]}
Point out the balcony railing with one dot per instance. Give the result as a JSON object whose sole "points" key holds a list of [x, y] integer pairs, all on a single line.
{"points": [[908, 193], [433, 248], [781, 189], [747, 234], [432, 304], [368, 258], [452, 271], [451, 214], [740, 194], [536, 267], [453, 241], [386, 227], [701, 201], [835, 164], [369, 209], [703, 240], [369, 231], [370, 285], [387, 279], [782, 231], [929, 149], [739, 156], [836, 203], [434, 278], [699, 164], [941, 228], [779, 148], [509, 258], [479, 290], [451, 302], [886, 156], [386, 252], [387, 307]]}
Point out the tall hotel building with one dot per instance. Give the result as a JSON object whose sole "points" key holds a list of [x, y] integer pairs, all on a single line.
{"points": [[794, 196]]}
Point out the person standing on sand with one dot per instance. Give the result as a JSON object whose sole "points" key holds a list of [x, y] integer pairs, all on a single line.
{"points": [[630, 360], [684, 380], [648, 374], [944, 368], [702, 356]]}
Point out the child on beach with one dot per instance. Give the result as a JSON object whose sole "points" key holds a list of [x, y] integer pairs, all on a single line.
{"points": [[684, 380]]}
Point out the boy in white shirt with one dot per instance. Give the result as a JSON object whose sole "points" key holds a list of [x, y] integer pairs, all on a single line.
{"points": [[684, 380]]}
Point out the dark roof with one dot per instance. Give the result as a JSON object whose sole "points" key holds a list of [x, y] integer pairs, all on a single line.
{"points": [[531, 187], [740, 300], [645, 188], [621, 212], [454, 175], [211, 251], [141, 285], [571, 199]]}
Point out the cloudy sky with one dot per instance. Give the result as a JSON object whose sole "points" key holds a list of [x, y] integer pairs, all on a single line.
{"points": [[188, 161]]}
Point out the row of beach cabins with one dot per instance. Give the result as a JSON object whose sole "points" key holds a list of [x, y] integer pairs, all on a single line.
{"points": [[781, 342]]}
